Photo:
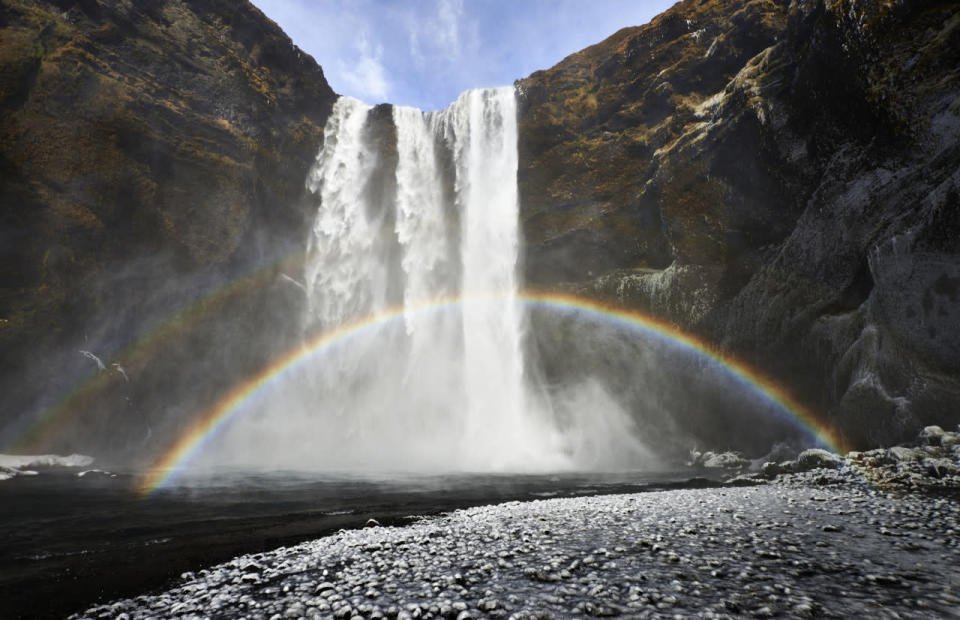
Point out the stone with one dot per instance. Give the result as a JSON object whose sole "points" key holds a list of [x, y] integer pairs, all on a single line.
{"points": [[817, 458], [898, 454], [931, 436], [940, 467], [724, 460], [770, 469]]}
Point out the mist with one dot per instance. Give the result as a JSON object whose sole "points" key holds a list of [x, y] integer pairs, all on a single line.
{"points": [[439, 364]]}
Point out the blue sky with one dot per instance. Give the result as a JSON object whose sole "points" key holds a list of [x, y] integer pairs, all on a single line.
{"points": [[425, 52]]}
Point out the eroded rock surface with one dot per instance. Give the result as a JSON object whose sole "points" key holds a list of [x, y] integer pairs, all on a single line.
{"points": [[779, 177]]}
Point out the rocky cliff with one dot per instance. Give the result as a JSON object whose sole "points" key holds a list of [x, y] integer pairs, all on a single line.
{"points": [[779, 177], [153, 158]]}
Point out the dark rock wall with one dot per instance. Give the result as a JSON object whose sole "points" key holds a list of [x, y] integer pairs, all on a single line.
{"points": [[153, 157], [778, 177]]}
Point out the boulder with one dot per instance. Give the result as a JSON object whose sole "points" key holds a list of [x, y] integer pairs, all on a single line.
{"points": [[931, 436], [724, 460], [817, 458], [903, 454], [771, 469], [940, 467], [950, 439]]}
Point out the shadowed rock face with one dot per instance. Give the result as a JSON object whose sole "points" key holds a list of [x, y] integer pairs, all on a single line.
{"points": [[779, 177], [153, 155]]}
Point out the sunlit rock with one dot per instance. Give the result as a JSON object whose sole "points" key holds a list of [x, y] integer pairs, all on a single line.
{"points": [[167, 150], [749, 178]]}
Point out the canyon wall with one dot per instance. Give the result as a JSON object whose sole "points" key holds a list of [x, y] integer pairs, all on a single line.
{"points": [[780, 178]]}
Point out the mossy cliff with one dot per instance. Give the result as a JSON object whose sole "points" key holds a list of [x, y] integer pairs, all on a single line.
{"points": [[150, 152], [781, 178]]}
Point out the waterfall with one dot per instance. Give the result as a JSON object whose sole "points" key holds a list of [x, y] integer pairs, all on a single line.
{"points": [[345, 275], [447, 384], [416, 237], [481, 131]]}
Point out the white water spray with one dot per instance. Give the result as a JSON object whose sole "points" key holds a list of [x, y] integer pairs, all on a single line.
{"points": [[440, 389]]}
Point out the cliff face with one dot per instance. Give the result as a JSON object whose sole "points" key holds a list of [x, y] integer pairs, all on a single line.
{"points": [[153, 158], [779, 177]]}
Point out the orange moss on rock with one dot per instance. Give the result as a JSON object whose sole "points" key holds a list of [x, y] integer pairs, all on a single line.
{"points": [[591, 128]]}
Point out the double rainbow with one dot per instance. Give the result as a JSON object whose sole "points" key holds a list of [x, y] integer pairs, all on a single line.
{"points": [[206, 426]]}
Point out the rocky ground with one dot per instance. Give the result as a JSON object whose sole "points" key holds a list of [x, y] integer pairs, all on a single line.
{"points": [[867, 535], [933, 461]]}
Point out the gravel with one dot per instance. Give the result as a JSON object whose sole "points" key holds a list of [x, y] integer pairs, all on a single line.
{"points": [[821, 543]]}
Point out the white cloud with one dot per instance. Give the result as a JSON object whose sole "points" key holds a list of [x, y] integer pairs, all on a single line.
{"points": [[364, 73], [413, 32], [449, 14], [435, 36]]}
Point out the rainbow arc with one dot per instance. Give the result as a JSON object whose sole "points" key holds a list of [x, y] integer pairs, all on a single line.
{"points": [[206, 426]]}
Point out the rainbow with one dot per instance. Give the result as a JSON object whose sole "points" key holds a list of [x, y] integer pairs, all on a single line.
{"points": [[206, 426]]}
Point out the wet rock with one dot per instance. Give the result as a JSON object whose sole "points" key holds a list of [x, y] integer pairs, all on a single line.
{"points": [[931, 436], [723, 460], [817, 458], [770, 469], [96, 474], [940, 467], [901, 454]]}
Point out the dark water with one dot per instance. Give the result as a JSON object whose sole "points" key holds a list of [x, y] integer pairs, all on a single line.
{"points": [[68, 542]]}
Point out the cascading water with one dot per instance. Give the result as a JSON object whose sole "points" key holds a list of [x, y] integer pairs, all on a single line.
{"points": [[454, 376], [481, 132], [443, 387]]}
